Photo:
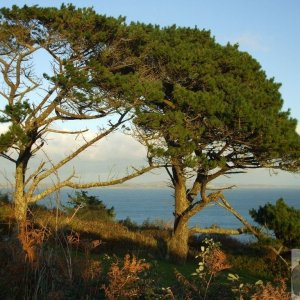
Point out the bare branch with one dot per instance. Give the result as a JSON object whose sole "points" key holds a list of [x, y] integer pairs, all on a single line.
{"points": [[8, 157], [35, 173], [224, 188], [216, 230], [66, 115], [43, 101], [199, 205], [69, 183], [75, 153], [67, 132], [170, 175], [225, 204]]}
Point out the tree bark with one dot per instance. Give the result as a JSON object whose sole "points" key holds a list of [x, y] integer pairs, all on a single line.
{"points": [[20, 202], [21, 207], [178, 244]]}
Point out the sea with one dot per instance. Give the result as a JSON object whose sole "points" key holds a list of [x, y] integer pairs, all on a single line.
{"points": [[140, 204]]}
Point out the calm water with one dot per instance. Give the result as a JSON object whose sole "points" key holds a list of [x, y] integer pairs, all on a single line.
{"points": [[140, 204]]}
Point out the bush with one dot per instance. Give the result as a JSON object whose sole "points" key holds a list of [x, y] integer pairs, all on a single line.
{"points": [[284, 220], [89, 207], [130, 224]]}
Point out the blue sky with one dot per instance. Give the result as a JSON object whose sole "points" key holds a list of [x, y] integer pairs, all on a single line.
{"points": [[268, 29]]}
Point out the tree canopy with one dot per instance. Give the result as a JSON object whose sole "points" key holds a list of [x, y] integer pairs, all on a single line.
{"points": [[214, 113], [215, 106]]}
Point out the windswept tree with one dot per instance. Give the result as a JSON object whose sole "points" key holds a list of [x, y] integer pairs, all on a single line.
{"points": [[56, 66], [214, 113]]}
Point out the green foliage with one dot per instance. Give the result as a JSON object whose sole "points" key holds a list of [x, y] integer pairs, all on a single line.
{"points": [[16, 112], [213, 96], [284, 220], [90, 207], [14, 135], [77, 38]]}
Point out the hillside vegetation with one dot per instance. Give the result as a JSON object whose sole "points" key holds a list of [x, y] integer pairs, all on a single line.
{"points": [[75, 256]]}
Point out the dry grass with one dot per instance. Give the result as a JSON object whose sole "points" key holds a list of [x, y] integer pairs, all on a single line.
{"points": [[114, 236]]}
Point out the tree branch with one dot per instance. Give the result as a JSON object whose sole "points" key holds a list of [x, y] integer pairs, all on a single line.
{"points": [[66, 132], [43, 101], [69, 183], [225, 204], [65, 115], [98, 137], [216, 230], [8, 157]]}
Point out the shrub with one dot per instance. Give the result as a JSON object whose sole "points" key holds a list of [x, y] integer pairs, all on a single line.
{"points": [[284, 220], [130, 224], [156, 224], [212, 261], [89, 207]]}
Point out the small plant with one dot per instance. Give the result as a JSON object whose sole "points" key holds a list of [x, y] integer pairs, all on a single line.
{"points": [[32, 239], [130, 224], [269, 291], [212, 260]]}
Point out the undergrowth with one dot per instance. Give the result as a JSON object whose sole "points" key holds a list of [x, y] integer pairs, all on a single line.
{"points": [[75, 258]]}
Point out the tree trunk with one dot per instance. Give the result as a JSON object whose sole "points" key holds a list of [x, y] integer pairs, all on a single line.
{"points": [[178, 244], [21, 207], [20, 202]]}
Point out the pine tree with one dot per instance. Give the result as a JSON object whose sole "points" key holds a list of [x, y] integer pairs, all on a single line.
{"points": [[214, 113]]}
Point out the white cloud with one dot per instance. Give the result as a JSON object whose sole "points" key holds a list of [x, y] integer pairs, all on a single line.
{"points": [[109, 157], [250, 41], [298, 129], [116, 147], [3, 127]]}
